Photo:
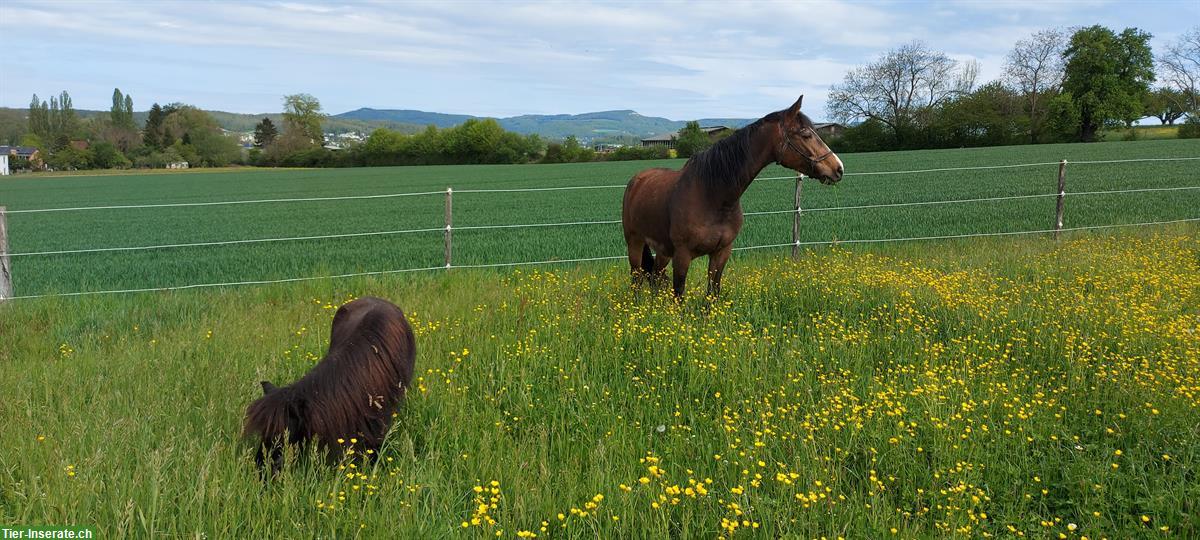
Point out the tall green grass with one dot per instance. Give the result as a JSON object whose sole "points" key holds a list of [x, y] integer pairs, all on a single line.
{"points": [[943, 389], [182, 266]]}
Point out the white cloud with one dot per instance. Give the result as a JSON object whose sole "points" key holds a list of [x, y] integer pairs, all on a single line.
{"points": [[680, 59]]}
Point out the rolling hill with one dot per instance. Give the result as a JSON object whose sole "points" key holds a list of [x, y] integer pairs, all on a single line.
{"points": [[612, 125], [586, 126]]}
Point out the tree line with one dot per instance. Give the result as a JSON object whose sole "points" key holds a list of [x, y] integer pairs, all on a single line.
{"points": [[177, 133], [1058, 86], [473, 142], [172, 133]]}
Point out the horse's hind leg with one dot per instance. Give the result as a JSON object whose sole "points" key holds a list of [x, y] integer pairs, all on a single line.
{"points": [[658, 275], [636, 249]]}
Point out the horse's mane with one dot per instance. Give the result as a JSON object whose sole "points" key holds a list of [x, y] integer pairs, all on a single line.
{"points": [[353, 390], [727, 162]]}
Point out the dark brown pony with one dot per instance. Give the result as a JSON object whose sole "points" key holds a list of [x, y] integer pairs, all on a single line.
{"points": [[696, 211], [349, 394]]}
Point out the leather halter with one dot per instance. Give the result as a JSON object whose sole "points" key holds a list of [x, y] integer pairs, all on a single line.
{"points": [[787, 139]]}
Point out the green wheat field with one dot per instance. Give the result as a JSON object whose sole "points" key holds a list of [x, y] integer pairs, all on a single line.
{"points": [[965, 388]]}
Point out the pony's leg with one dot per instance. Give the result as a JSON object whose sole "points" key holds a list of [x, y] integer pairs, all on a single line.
{"points": [[269, 459], [716, 267], [679, 269]]}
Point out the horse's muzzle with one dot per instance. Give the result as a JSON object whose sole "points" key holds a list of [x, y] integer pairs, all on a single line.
{"points": [[833, 178]]}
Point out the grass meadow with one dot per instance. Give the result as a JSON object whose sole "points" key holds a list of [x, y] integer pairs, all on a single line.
{"points": [[985, 387], [1149, 132]]}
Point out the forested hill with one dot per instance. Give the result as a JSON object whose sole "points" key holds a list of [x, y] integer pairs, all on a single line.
{"points": [[587, 127]]}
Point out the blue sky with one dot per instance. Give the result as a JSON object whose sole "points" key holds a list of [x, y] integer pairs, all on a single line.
{"points": [[678, 60]]}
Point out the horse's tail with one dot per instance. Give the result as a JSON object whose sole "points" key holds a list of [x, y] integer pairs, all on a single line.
{"points": [[647, 259]]}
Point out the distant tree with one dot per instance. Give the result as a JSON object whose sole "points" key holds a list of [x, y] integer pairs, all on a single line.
{"points": [[32, 139], [289, 142], [691, 140], [63, 121], [118, 127], [869, 136], [901, 89], [198, 138], [575, 152], [121, 112], [106, 156], [302, 114], [1166, 104], [153, 131], [989, 116], [569, 151], [473, 141], [1035, 68], [265, 133], [1107, 75], [39, 118], [69, 158], [554, 154], [1180, 68], [116, 112]]}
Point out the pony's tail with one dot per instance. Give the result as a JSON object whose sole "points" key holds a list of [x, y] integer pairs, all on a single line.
{"points": [[647, 259]]}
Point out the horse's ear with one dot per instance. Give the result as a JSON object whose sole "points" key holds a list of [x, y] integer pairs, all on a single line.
{"points": [[795, 108], [268, 387]]}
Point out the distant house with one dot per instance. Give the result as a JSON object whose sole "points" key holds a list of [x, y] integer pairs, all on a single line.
{"points": [[29, 154], [829, 130], [177, 165], [668, 139], [604, 148]]}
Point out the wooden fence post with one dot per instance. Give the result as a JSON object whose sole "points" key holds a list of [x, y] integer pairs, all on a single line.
{"points": [[449, 222], [6, 290], [796, 218], [1062, 191]]}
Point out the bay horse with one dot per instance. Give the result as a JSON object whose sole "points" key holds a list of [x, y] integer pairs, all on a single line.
{"points": [[350, 394], [696, 210]]}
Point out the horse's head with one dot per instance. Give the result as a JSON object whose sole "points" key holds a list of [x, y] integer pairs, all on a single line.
{"points": [[802, 150]]}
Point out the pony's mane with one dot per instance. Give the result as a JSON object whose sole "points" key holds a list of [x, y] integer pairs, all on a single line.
{"points": [[727, 162], [354, 389], [275, 413]]}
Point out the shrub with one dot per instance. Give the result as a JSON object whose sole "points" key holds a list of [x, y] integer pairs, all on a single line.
{"points": [[1191, 128], [633, 153]]}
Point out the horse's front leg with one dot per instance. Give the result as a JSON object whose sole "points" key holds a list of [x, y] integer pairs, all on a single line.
{"points": [[679, 270], [716, 267]]}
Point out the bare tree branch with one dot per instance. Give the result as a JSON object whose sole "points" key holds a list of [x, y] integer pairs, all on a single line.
{"points": [[1035, 67], [1180, 67], [901, 87]]}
